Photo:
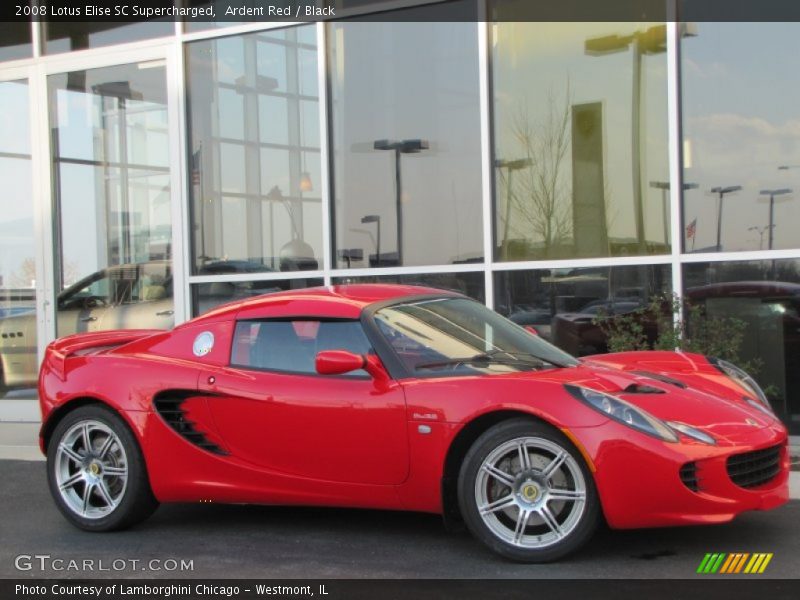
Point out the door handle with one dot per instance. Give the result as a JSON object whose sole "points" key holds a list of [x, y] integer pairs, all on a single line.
{"points": [[165, 313], [88, 319]]}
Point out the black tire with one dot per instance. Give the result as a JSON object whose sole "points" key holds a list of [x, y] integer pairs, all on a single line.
{"points": [[528, 491], [134, 501]]}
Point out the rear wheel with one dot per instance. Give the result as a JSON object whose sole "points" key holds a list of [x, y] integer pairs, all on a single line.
{"points": [[525, 492], [96, 471]]}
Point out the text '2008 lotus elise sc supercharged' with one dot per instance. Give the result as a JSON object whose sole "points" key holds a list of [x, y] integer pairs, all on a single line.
{"points": [[403, 398]]}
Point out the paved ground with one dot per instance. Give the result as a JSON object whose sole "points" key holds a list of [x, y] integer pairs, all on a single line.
{"points": [[279, 542]]}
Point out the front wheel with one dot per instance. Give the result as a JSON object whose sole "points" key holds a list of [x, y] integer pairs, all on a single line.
{"points": [[526, 492], [96, 471]]}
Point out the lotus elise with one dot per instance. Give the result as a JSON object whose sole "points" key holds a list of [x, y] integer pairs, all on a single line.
{"points": [[403, 398]]}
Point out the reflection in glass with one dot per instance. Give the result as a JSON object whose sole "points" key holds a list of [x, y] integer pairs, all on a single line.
{"points": [[18, 363], [580, 132], [765, 297], [112, 189], [15, 41], [469, 284], [206, 296], [406, 143], [255, 151], [561, 304], [66, 36], [741, 128]]}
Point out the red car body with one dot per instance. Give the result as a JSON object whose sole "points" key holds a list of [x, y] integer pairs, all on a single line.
{"points": [[397, 443]]}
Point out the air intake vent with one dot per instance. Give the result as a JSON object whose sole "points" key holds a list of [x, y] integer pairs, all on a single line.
{"points": [[638, 388], [169, 405], [689, 478], [753, 469], [662, 378]]}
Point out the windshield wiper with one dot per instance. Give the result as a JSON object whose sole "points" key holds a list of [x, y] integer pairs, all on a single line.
{"points": [[514, 353], [486, 358]]}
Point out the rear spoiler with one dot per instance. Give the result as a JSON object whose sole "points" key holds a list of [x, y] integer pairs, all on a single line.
{"points": [[85, 343]]}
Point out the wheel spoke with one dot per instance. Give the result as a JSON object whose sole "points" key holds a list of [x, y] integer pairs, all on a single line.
{"points": [[114, 471], [71, 454], [554, 464], [522, 522], [105, 494], [86, 437], [556, 494], [550, 520], [524, 457], [109, 441], [87, 494], [498, 504], [501, 476], [71, 480]]}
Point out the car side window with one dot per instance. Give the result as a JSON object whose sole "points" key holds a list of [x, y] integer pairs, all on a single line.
{"points": [[292, 345]]}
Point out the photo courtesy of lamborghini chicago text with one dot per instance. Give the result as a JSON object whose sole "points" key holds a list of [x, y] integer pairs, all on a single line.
{"points": [[402, 299]]}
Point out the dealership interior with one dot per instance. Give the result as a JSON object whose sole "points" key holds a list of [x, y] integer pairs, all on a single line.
{"points": [[563, 173]]}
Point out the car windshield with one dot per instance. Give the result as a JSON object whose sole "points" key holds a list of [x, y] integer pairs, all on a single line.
{"points": [[462, 336]]}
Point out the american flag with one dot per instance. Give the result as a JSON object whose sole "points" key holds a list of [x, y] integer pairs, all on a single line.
{"points": [[197, 165], [691, 229]]}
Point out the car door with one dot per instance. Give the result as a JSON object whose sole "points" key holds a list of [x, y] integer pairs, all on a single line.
{"points": [[143, 299], [81, 307], [273, 410]]}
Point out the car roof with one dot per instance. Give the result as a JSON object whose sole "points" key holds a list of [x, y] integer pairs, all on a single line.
{"points": [[337, 301]]}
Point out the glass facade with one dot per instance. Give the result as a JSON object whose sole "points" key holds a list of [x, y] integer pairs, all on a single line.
{"points": [[405, 143], [764, 296], [554, 171], [741, 147], [580, 140], [255, 151], [113, 200], [18, 323], [563, 305]]}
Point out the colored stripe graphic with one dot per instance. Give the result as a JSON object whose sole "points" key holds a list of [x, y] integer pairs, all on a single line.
{"points": [[727, 564], [735, 562]]}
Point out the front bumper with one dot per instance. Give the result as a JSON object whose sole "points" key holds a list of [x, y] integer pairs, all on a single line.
{"points": [[638, 478]]}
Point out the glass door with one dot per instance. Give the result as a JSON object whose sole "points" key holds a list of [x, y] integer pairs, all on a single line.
{"points": [[112, 193], [18, 247]]}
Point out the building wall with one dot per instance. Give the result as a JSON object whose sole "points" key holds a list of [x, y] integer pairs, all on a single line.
{"points": [[554, 171]]}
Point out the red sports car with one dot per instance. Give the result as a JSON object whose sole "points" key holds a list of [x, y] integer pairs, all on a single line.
{"points": [[404, 398]]}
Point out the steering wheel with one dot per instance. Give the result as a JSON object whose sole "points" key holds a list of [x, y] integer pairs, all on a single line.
{"points": [[94, 302]]}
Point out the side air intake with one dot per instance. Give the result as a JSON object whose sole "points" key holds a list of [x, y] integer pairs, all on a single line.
{"points": [[169, 405]]}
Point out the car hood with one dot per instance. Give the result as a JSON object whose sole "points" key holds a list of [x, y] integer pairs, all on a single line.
{"points": [[729, 419]]}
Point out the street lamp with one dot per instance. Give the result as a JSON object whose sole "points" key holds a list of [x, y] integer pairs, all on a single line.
{"points": [[664, 186], [377, 220], [772, 194], [650, 41], [511, 166], [399, 147], [722, 191]]}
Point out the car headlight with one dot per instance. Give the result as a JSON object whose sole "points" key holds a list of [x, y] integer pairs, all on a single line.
{"points": [[624, 412], [743, 379], [691, 432]]}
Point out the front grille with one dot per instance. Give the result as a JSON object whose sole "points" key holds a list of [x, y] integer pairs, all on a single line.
{"points": [[689, 478], [168, 404], [753, 469]]}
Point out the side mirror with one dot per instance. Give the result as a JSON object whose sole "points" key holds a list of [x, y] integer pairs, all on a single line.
{"points": [[338, 362], [531, 329]]}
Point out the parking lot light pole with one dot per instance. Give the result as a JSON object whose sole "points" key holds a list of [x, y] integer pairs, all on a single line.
{"points": [[772, 194], [510, 166], [400, 147], [377, 220], [722, 191]]}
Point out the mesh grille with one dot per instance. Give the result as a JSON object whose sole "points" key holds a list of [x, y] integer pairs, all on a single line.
{"points": [[753, 469]]}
